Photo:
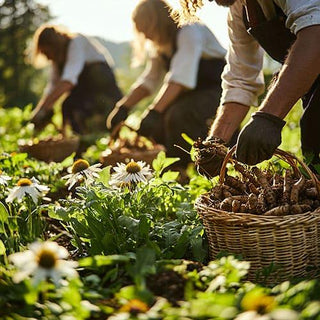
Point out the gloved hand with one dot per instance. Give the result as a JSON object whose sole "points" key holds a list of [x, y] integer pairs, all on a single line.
{"points": [[259, 139], [118, 114], [209, 156], [151, 124], [41, 117]]}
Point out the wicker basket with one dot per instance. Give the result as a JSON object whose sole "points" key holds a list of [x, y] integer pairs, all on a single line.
{"points": [[54, 149], [111, 158], [117, 153], [290, 242]]}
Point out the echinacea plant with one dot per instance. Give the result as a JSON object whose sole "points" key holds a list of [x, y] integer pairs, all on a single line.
{"points": [[30, 187], [43, 260], [130, 173], [81, 170]]}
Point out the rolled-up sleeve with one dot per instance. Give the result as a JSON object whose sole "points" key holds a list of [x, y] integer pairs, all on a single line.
{"points": [[301, 14], [185, 62], [75, 61], [242, 78], [152, 75]]}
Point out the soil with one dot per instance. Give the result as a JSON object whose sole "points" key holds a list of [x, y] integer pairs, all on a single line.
{"points": [[168, 284]]}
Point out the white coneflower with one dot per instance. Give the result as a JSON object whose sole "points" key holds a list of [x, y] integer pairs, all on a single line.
{"points": [[43, 260], [81, 170], [132, 172], [4, 178], [26, 186]]}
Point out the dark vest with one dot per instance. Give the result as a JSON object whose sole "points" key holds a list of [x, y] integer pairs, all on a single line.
{"points": [[273, 36]]}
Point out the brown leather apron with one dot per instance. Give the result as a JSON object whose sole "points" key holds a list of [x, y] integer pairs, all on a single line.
{"points": [[276, 40]]}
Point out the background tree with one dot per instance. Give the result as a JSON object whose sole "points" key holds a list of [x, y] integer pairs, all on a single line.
{"points": [[19, 81]]}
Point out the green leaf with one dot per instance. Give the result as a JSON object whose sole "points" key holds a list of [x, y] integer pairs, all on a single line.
{"points": [[3, 213], [104, 175], [170, 176], [99, 261], [161, 162], [2, 248], [187, 138], [145, 263], [68, 162], [59, 214]]}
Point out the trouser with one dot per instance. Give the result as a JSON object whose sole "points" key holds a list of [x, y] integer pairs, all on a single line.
{"points": [[309, 124], [92, 99], [192, 114]]}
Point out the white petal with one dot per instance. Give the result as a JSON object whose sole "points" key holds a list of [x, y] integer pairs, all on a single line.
{"points": [[13, 194], [40, 275], [55, 275], [20, 258]]}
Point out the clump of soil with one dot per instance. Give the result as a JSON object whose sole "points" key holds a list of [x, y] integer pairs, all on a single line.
{"points": [[168, 284]]}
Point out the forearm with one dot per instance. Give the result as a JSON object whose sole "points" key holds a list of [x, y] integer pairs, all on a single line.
{"points": [[297, 75], [134, 97], [228, 120], [168, 93], [60, 88]]}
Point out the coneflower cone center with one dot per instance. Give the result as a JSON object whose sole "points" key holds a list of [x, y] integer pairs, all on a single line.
{"points": [[133, 167], [24, 182], [80, 165], [47, 259]]}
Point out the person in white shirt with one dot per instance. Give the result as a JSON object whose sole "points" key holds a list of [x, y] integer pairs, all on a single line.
{"points": [[186, 63], [289, 31], [81, 68]]}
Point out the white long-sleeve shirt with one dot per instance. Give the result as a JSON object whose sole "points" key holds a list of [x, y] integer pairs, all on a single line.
{"points": [[81, 51], [242, 77], [194, 41]]}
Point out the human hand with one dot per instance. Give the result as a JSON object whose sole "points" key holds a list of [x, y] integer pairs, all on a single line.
{"points": [[151, 124], [40, 117], [117, 115], [209, 156], [259, 139]]}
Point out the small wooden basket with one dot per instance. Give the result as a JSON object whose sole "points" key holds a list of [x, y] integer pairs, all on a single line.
{"points": [[136, 150], [290, 242], [54, 149]]}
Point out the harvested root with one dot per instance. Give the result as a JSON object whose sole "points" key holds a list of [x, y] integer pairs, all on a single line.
{"points": [[269, 194], [263, 193], [278, 211], [296, 188]]}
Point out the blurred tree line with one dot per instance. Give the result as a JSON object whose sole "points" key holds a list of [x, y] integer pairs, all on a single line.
{"points": [[19, 81]]}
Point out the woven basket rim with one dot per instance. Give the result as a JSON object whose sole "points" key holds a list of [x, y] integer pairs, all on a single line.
{"points": [[44, 142], [251, 218]]}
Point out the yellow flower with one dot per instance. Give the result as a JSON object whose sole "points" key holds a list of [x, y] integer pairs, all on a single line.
{"points": [[134, 306], [258, 302]]}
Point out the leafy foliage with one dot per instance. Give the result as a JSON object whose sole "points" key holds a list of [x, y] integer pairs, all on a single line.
{"points": [[18, 21]]}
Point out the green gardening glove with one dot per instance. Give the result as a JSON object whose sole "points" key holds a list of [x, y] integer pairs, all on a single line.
{"points": [[259, 139]]}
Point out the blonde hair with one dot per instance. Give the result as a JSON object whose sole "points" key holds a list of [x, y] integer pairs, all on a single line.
{"points": [[154, 17], [55, 37], [189, 9]]}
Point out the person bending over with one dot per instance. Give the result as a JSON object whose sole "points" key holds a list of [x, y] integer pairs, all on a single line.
{"points": [[81, 69], [186, 63]]}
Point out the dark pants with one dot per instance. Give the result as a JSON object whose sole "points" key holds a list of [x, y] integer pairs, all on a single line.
{"points": [[192, 114], [309, 124], [92, 99]]}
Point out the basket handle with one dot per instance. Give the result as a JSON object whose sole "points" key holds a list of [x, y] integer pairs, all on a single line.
{"points": [[286, 156]]}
